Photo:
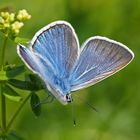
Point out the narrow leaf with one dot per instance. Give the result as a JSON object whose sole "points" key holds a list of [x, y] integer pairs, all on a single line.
{"points": [[20, 40], [11, 93], [14, 136], [9, 66], [35, 104], [25, 85], [36, 81], [15, 71], [10, 72]]}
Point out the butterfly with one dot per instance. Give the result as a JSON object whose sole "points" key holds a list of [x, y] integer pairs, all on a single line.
{"points": [[55, 56]]}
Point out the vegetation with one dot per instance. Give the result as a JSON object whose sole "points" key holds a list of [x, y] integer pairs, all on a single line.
{"points": [[117, 98]]}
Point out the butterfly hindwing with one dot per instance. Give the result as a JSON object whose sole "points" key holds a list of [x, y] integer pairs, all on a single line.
{"points": [[35, 63], [100, 57]]}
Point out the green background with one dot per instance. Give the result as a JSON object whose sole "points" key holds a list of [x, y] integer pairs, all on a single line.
{"points": [[117, 98]]}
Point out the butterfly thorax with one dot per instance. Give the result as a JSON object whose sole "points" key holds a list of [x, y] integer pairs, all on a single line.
{"points": [[62, 84], [62, 87]]}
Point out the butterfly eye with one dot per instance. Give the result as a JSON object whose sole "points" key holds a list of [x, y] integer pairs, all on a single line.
{"points": [[68, 98]]}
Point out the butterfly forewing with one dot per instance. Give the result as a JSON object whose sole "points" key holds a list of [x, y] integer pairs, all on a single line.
{"points": [[100, 57], [58, 44]]}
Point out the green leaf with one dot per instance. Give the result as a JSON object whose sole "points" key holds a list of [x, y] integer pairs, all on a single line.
{"points": [[10, 72], [36, 81], [20, 40], [11, 93], [35, 104], [15, 71], [25, 85], [14, 136], [9, 66]]}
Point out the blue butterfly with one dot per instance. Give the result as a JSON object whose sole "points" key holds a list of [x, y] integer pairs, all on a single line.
{"points": [[55, 56]]}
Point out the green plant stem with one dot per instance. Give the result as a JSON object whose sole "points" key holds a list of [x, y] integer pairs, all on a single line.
{"points": [[3, 51], [17, 112], [3, 111], [3, 100]]}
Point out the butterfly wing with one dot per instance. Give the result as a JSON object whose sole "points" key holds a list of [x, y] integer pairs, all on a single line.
{"points": [[53, 52], [41, 68], [58, 44], [100, 57], [35, 63]]}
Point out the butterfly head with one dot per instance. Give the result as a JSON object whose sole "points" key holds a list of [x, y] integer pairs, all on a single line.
{"points": [[68, 98], [64, 98]]}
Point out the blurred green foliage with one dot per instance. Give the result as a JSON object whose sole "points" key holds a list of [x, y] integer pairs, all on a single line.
{"points": [[117, 98]]}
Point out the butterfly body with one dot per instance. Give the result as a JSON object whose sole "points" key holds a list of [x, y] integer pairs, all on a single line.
{"points": [[54, 55]]}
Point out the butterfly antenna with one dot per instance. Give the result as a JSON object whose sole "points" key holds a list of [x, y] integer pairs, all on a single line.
{"points": [[87, 103], [48, 99], [73, 114]]}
